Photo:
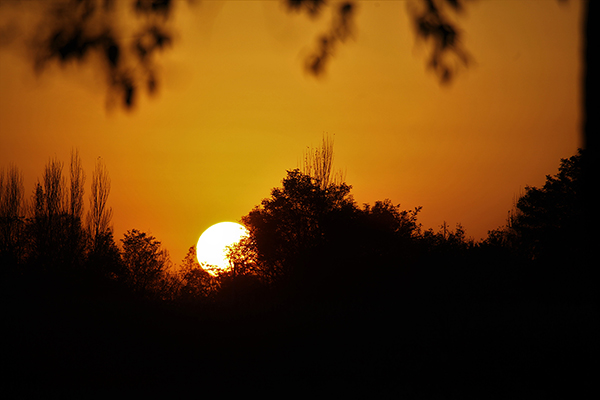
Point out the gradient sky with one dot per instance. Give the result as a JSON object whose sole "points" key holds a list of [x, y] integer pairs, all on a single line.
{"points": [[235, 110]]}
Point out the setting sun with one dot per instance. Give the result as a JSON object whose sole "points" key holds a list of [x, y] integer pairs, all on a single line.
{"points": [[212, 245]]}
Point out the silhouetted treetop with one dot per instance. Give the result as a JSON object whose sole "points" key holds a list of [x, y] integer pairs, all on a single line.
{"points": [[12, 217], [386, 216], [293, 220], [551, 218], [314, 237], [318, 164], [550, 221], [48, 233], [100, 214], [144, 259]]}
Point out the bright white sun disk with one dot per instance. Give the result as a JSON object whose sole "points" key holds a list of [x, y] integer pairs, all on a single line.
{"points": [[212, 245]]}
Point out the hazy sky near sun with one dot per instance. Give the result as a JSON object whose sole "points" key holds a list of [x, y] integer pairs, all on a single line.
{"points": [[235, 110]]}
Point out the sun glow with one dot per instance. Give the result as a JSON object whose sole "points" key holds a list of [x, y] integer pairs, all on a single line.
{"points": [[211, 249]]}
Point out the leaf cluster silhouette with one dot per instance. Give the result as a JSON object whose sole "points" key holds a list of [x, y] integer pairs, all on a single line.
{"points": [[123, 39]]}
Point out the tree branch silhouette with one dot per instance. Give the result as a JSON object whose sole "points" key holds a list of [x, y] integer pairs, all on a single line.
{"points": [[318, 164], [342, 28], [124, 38], [77, 31], [99, 215], [432, 25]]}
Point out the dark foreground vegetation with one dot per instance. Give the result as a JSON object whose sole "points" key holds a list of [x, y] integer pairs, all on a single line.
{"points": [[325, 298]]}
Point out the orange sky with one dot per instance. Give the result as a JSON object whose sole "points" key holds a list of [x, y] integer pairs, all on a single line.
{"points": [[235, 110]]}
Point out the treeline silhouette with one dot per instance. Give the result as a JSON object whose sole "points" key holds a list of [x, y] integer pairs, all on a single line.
{"points": [[324, 295]]}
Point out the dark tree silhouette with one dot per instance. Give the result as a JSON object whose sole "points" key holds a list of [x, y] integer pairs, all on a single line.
{"points": [[145, 261], [99, 215], [56, 234], [12, 217], [76, 238], [104, 258], [103, 254], [48, 233], [77, 186], [387, 217], [193, 282], [549, 222], [315, 244], [48, 227], [447, 239], [309, 236], [387, 233], [291, 223]]}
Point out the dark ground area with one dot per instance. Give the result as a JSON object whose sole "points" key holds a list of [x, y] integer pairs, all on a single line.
{"points": [[82, 340]]}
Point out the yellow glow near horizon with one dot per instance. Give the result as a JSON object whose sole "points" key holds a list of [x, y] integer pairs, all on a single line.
{"points": [[211, 249]]}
